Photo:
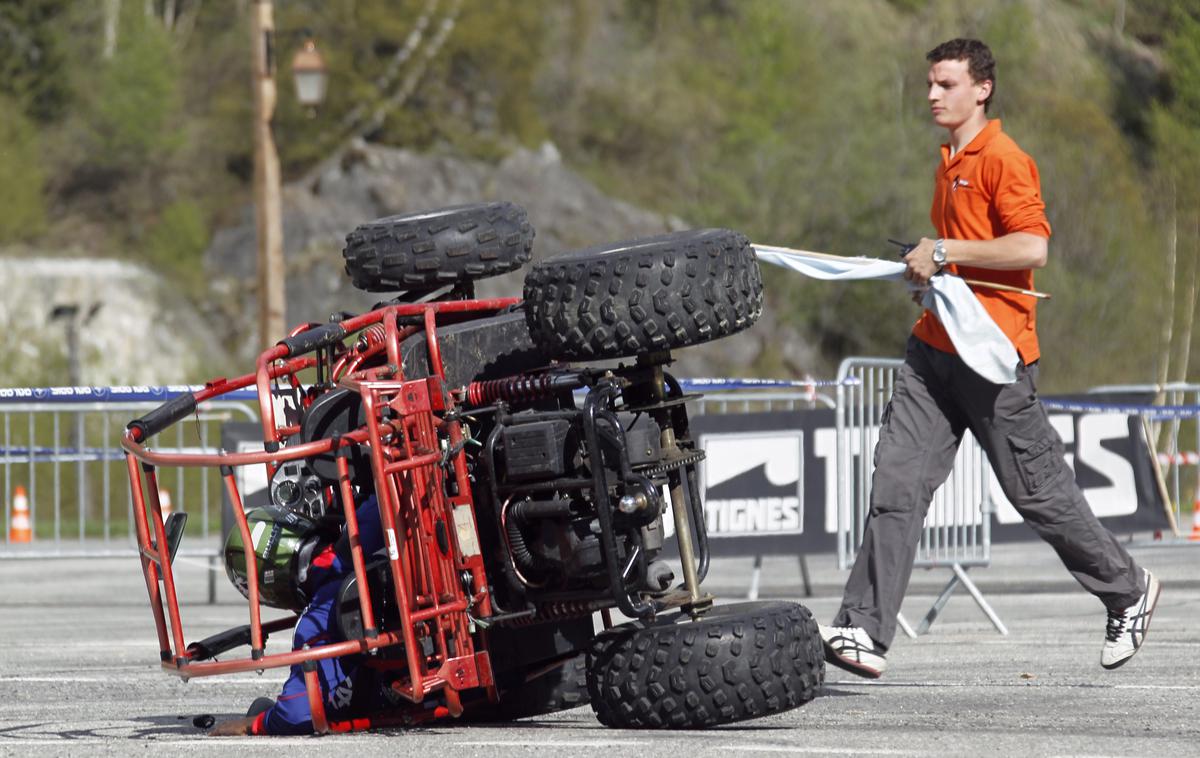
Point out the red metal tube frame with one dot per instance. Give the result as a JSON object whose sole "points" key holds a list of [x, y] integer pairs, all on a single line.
{"points": [[356, 556], [239, 515], [388, 507], [316, 704], [271, 365]]}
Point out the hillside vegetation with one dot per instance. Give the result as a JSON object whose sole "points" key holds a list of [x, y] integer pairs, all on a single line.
{"points": [[125, 132]]}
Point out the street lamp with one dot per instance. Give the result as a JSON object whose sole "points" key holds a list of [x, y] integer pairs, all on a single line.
{"points": [[310, 75]]}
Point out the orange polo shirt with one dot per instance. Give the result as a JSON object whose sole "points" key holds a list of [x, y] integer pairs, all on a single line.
{"points": [[989, 189]]}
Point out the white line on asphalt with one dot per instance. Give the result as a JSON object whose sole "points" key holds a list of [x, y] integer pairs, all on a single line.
{"points": [[735, 749], [64, 679], [1058, 643], [111, 742], [122, 680], [731, 748], [1022, 683], [554, 743]]}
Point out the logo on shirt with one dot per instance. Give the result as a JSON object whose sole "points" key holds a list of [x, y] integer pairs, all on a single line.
{"points": [[959, 182], [342, 694]]}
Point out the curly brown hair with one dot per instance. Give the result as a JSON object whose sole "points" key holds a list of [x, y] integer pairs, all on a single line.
{"points": [[980, 63]]}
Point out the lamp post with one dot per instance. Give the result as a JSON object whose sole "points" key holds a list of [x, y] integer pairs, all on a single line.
{"points": [[73, 317], [268, 214], [310, 77]]}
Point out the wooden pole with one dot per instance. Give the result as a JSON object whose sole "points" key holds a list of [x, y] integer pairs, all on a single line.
{"points": [[1007, 288], [268, 213]]}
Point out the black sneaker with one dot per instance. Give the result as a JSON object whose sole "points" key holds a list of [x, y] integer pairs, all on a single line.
{"points": [[852, 649]]}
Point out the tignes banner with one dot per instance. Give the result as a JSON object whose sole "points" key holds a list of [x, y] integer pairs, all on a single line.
{"points": [[769, 480]]}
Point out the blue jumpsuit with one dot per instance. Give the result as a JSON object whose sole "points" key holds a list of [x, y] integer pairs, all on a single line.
{"points": [[348, 686]]}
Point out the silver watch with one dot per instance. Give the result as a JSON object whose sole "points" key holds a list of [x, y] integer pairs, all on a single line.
{"points": [[939, 253]]}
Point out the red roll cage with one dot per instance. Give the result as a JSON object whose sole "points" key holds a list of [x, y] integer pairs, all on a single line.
{"points": [[439, 590]]}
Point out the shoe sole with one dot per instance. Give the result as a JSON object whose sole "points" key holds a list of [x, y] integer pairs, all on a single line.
{"points": [[1157, 587], [831, 656]]}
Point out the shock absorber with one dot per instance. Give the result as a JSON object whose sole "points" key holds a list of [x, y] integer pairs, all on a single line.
{"points": [[369, 342], [521, 388], [562, 610], [370, 337]]}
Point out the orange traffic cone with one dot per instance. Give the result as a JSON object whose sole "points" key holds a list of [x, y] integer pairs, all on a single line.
{"points": [[19, 527], [164, 502], [1195, 535]]}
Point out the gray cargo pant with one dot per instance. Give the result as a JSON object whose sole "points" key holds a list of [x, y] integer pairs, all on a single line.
{"points": [[936, 398]]}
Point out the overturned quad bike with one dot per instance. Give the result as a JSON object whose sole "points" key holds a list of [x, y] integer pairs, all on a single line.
{"points": [[521, 496]]}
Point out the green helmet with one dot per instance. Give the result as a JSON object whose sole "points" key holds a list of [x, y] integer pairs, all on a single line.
{"points": [[284, 543]]}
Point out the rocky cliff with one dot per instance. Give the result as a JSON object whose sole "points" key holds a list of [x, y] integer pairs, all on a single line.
{"points": [[368, 182], [133, 326]]}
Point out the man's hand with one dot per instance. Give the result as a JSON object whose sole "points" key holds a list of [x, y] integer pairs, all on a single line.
{"points": [[919, 265], [233, 728]]}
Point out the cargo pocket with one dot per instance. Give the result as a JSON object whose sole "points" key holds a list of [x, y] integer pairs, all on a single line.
{"points": [[1037, 460], [883, 431]]}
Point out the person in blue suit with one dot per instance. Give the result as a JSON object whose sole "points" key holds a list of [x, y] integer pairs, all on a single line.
{"points": [[348, 686]]}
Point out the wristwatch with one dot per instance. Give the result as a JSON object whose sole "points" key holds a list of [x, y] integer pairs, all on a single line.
{"points": [[939, 253]]}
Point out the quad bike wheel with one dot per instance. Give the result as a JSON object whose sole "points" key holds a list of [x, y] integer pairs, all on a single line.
{"points": [[646, 295], [561, 688], [438, 248], [737, 662]]}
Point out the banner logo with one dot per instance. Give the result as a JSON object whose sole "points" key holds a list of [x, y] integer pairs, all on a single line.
{"points": [[753, 483]]}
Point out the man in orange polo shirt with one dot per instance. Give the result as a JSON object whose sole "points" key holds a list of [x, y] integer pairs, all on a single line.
{"points": [[991, 225]]}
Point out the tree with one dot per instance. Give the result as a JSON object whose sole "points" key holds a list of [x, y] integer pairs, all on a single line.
{"points": [[1176, 129], [33, 63], [21, 180]]}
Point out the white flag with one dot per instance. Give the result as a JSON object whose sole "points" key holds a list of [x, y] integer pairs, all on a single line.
{"points": [[978, 340]]}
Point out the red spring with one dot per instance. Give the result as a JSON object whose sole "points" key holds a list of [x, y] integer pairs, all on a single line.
{"points": [[512, 389], [371, 337]]}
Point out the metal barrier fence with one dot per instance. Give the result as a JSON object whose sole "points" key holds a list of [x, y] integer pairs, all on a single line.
{"points": [[64, 454], [957, 530], [758, 396], [759, 402], [61, 447]]}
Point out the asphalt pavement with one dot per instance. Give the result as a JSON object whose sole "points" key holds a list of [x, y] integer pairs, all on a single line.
{"points": [[79, 674]]}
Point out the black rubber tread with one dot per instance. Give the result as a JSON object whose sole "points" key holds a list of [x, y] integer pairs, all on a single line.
{"points": [[438, 247], [559, 689], [737, 662], [645, 295]]}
